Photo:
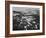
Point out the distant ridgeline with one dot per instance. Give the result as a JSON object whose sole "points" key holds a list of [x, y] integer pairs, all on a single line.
{"points": [[23, 13]]}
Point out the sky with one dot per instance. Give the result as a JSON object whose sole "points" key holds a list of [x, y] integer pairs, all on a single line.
{"points": [[26, 10]]}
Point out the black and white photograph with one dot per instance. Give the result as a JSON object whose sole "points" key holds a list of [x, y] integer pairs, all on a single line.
{"points": [[25, 18]]}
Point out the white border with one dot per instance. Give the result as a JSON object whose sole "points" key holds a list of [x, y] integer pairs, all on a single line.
{"points": [[20, 32]]}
